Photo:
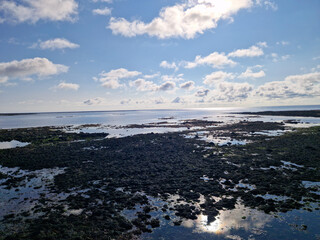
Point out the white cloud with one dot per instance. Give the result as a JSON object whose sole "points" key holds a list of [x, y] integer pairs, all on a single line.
{"points": [[268, 4], [215, 60], [35, 10], [103, 11], [285, 57], [294, 86], [125, 101], [187, 85], [112, 84], [202, 92], [151, 76], [305, 85], [231, 91], [250, 74], [190, 99], [277, 58], [283, 43], [67, 86], [167, 86], [28, 67], [14, 41], [165, 64], [262, 44], [159, 100], [184, 20], [177, 100], [143, 85], [118, 74], [112, 79], [173, 78], [274, 55], [57, 43], [253, 51], [310, 77], [220, 60], [212, 78], [94, 101]]}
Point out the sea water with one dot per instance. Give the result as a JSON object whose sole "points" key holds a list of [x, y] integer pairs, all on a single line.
{"points": [[123, 118]]}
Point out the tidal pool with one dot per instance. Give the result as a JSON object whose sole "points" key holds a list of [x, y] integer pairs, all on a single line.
{"points": [[21, 190], [12, 144], [242, 223], [213, 138]]}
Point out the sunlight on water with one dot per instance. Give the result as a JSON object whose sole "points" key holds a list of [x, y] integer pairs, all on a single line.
{"points": [[117, 118], [228, 220]]}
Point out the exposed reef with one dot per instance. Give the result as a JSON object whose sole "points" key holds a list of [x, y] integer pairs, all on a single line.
{"points": [[103, 180]]}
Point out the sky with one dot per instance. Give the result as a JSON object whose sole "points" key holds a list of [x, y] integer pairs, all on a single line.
{"points": [[83, 55]]}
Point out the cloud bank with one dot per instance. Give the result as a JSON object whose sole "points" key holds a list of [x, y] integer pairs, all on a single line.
{"points": [[184, 20], [34, 10], [40, 67], [112, 79]]}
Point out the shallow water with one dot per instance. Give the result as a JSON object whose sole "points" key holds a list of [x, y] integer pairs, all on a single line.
{"points": [[12, 144], [212, 138], [24, 195], [242, 223], [122, 118], [117, 132]]}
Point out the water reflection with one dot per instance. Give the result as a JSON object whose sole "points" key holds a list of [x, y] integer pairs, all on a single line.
{"points": [[20, 190], [239, 218]]}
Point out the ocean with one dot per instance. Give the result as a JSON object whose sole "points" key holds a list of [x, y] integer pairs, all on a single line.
{"points": [[123, 118]]}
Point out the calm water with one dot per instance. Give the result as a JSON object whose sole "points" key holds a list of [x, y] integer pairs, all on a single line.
{"points": [[116, 118], [243, 223], [12, 144]]}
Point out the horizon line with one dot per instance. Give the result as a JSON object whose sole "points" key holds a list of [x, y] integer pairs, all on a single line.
{"points": [[155, 109]]}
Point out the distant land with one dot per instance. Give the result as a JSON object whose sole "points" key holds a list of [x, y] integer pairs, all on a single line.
{"points": [[305, 113]]}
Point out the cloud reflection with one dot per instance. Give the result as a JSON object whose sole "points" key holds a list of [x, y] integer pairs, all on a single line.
{"points": [[238, 218]]}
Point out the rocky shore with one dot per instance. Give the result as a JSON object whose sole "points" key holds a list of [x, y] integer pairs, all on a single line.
{"points": [[98, 180]]}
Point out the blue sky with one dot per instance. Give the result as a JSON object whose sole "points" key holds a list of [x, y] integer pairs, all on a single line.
{"points": [[122, 54]]}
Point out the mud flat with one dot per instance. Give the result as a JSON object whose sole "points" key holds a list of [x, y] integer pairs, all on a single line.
{"points": [[87, 186]]}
